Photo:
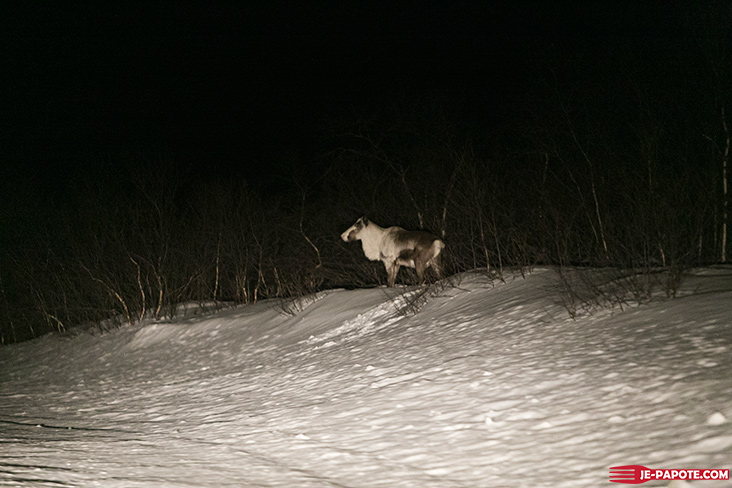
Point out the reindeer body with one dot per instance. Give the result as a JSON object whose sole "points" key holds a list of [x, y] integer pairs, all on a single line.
{"points": [[397, 247]]}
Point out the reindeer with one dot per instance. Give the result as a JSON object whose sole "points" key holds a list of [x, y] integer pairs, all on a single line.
{"points": [[397, 247]]}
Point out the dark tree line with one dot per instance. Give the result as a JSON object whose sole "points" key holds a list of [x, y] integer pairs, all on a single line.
{"points": [[629, 173]]}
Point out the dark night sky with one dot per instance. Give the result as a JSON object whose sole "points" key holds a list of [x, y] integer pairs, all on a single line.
{"points": [[233, 86]]}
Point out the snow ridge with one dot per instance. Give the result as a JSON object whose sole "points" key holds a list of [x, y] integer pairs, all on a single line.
{"points": [[490, 385]]}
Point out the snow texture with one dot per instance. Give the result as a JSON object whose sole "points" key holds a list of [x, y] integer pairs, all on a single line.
{"points": [[490, 385]]}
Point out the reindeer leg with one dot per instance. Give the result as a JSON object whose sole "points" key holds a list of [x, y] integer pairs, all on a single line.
{"points": [[422, 261], [437, 266], [392, 268], [419, 267], [395, 272]]}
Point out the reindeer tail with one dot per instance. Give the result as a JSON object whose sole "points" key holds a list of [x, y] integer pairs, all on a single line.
{"points": [[437, 247]]}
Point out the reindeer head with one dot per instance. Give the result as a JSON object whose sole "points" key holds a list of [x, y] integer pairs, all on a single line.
{"points": [[351, 234]]}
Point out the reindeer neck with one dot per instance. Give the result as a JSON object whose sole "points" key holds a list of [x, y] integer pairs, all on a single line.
{"points": [[371, 240]]}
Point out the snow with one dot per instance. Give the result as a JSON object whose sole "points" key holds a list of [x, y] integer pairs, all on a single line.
{"points": [[490, 384]]}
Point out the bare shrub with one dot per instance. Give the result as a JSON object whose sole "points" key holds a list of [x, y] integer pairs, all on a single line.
{"points": [[584, 291], [410, 300]]}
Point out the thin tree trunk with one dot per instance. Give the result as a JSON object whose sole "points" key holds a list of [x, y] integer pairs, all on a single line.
{"points": [[725, 159]]}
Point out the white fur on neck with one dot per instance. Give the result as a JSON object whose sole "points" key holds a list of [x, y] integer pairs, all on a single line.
{"points": [[372, 236]]}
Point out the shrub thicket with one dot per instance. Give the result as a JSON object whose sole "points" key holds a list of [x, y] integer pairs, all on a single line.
{"points": [[624, 175]]}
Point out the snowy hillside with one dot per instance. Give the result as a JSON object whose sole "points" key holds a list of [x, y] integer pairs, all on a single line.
{"points": [[490, 385]]}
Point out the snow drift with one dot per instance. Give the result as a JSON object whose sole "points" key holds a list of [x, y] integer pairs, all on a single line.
{"points": [[491, 384]]}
